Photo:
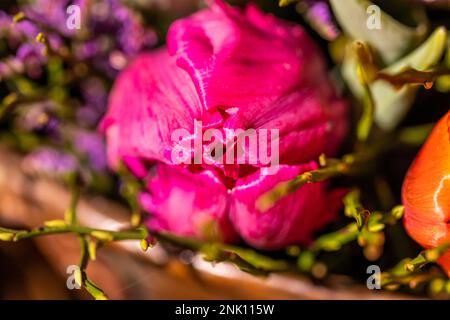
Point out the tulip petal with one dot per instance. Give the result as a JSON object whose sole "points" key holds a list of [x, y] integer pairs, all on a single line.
{"points": [[150, 100], [426, 189], [309, 120], [188, 204], [292, 220], [444, 261], [243, 58]]}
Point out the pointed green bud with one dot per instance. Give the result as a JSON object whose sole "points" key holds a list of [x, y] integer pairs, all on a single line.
{"points": [[6, 236], [135, 219], [398, 212], [55, 223], [284, 3], [102, 235], [92, 250], [144, 245]]}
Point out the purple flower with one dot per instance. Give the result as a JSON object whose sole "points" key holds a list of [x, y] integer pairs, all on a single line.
{"points": [[112, 27], [95, 97], [91, 146], [50, 162], [21, 38], [52, 13], [108, 26], [5, 23], [40, 118], [33, 56], [318, 14]]}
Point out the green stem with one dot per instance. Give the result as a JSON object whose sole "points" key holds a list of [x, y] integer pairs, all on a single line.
{"points": [[84, 254], [335, 240], [350, 164], [246, 259], [137, 234], [354, 208], [96, 292], [365, 124], [408, 270], [366, 70], [75, 195], [426, 257]]}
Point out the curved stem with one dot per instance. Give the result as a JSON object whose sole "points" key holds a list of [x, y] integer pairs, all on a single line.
{"points": [[137, 234]]}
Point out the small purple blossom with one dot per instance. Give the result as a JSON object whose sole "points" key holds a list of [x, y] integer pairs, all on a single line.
{"points": [[111, 34], [95, 97], [109, 25], [318, 14], [91, 146], [25, 28], [21, 39], [39, 118], [50, 162], [33, 56], [52, 12], [106, 28]]}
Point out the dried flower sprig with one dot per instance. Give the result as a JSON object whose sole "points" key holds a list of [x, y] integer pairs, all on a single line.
{"points": [[409, 272], [60, 227]]}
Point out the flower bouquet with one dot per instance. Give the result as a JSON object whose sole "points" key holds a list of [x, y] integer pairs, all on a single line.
{"points": [[304, 138]]}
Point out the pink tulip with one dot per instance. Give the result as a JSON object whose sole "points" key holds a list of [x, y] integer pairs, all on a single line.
{"points": [[231, 70], [227, 69]]}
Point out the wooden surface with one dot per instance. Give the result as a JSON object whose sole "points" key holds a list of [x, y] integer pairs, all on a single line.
{"points": [[122, 269]]}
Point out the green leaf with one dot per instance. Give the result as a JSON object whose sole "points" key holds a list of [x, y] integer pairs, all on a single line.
{"points": [[392, 104], [425, 56], [392, 40]]}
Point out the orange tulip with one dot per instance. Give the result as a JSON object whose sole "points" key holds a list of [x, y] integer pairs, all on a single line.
{"points": [[426, 192]]}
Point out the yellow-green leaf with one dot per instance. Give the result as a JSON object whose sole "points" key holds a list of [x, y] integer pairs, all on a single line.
{"points": [[392, 40]]}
